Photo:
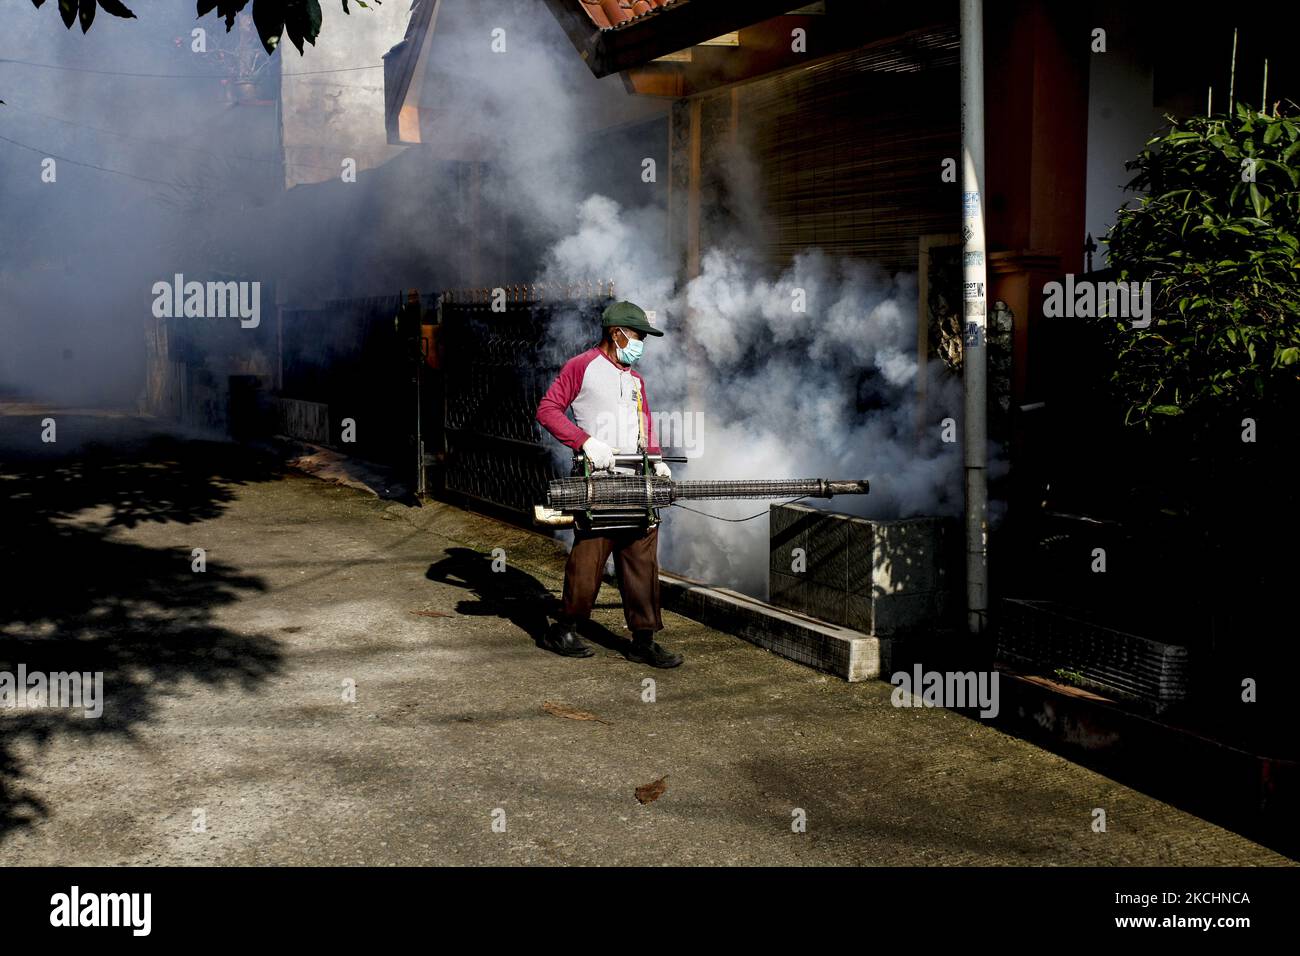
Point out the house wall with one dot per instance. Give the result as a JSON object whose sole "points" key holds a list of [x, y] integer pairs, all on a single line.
{"points": [[1122, 115], [326, 117], [1161, 59], [844, 156]]}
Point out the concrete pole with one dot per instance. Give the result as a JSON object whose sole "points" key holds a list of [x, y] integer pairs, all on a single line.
{"points": [[975, 321]]}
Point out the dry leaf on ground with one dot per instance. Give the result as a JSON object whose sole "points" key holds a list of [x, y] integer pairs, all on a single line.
{"points": [[650, 792], [572, 713]]}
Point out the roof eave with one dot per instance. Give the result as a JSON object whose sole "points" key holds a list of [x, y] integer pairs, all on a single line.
{"points": [[656, 34]]}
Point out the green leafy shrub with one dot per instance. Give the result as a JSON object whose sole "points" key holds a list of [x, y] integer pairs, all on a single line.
{"points": [[1216, 236], [1220, 252]]}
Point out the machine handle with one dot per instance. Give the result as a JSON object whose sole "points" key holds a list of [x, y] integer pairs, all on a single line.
{"points": [[652, 458]]}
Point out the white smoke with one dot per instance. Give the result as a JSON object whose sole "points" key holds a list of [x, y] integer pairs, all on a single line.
{"points": [[611, 243], [808, 374], [829, 391]]}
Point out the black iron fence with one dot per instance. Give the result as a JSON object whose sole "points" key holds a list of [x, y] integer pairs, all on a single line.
{"points": [[499, 354], [468, 410]]}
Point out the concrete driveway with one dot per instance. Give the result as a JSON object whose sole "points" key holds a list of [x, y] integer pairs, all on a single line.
{"points": [[229, 735]]}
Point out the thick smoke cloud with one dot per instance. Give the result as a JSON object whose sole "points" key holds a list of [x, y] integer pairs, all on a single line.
{"points": [[828, 391], [75, 252]]}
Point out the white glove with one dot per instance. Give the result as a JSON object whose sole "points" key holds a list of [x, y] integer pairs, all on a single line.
{"points": [[599, 454], [662, 470]]}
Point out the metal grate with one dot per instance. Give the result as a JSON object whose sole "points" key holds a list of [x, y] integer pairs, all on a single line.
{"points": [[497, 366], [1041, 636]]}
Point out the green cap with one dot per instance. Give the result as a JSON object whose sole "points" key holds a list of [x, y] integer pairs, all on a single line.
{"points": [[625, 315]]}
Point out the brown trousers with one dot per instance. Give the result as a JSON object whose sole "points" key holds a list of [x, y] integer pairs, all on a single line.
{"points": [[636, 562]]}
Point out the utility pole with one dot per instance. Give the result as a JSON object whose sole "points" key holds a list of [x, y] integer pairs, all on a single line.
{"points": [[975, 318]]}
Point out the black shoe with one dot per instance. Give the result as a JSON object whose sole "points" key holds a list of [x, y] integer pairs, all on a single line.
{"points": [[563, 639], [645, 650]]}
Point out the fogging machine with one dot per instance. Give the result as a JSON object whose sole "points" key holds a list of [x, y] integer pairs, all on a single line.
{"points": [[630, 495]]}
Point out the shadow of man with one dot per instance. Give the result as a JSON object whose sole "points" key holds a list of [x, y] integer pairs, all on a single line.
{"points": [[506, 592]]}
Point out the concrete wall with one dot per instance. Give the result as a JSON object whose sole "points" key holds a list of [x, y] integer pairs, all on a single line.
{"points": [[1122, 114], [879, 577], [329, 116]]}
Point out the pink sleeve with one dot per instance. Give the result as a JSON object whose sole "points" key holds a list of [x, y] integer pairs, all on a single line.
{"points": [[551, 410], [652, 445]]}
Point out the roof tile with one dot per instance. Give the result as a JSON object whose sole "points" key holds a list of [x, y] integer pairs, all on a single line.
{"points": [[611, 14]]}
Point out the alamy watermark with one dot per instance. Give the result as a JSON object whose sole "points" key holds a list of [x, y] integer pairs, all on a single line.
{"points": [[130, 910], [956, 689], [682, 431], [34, 690], [208, 300], [1089, 299]]}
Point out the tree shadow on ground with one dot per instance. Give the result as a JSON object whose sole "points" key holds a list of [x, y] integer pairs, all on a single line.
{"points": [[511, 594], [78, 598]]}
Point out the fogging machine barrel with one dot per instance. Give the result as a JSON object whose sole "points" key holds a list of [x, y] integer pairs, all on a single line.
{"points": [[638, 491]]}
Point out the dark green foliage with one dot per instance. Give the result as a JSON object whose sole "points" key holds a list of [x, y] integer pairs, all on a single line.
{"points": [[1221, 254], [1213, 384], [300, 19], [84, 10]]}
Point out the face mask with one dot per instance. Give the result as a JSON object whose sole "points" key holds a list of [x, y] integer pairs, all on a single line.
{"points": [[632, 352]]}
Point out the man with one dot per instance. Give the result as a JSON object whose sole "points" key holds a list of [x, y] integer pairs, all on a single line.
{"points": [[610, 414]]}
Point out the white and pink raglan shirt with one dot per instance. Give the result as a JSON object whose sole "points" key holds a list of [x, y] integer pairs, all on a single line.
{"points": [[608, 402]]}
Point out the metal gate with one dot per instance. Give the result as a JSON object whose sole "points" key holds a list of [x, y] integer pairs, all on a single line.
{"points": [[497, 364], [351, 360]]}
